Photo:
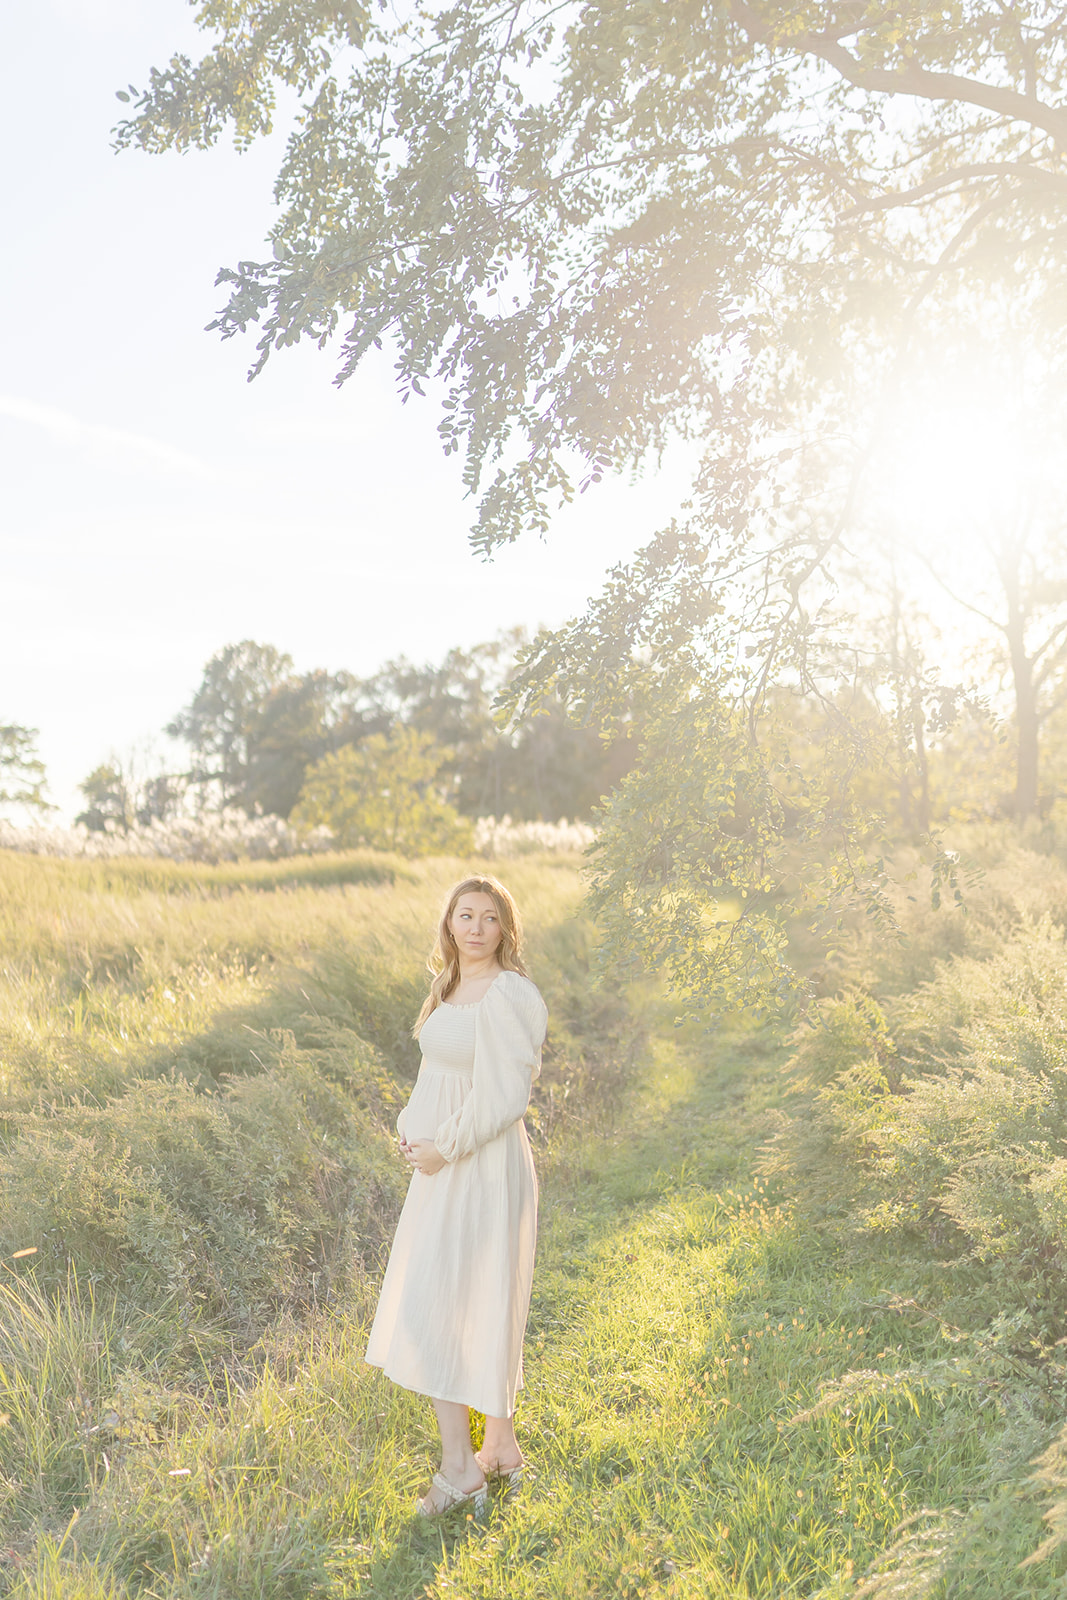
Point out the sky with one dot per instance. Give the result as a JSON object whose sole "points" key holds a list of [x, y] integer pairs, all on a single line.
{"points": [[154, 505]]}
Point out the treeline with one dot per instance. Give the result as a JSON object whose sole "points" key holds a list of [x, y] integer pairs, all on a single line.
{"points": [[363, 756]]}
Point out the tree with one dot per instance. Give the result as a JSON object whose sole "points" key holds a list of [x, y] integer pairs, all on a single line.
{"points": [[1032, 630], [110, 803], [22, 773], [299, 720], [452, 702], [983, 517], [121, 794], [383, 794], [598, 223], [556, 766], [221, 723], [597, 226], [548, 767], [255, 726]]}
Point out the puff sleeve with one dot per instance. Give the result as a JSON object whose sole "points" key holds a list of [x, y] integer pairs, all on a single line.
{"points": [[509, 1032]]}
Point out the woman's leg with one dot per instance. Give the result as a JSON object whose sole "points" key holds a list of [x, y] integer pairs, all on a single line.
{"points": [[458, 1462], [500, 1452]]}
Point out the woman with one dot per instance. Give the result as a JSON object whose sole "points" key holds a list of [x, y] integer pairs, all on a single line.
{"points": [[453, 1306]]}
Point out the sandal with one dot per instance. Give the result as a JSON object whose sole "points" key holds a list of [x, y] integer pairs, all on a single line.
{"points": [[510, 1477], [454, 1497]]}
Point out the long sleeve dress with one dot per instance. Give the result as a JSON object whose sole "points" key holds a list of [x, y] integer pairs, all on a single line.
{"points": [[456, 1293]]}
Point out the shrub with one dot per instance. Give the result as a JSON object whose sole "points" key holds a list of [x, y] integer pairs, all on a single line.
{"points": [[228, 1204], [382, 793], [945, 1115]]}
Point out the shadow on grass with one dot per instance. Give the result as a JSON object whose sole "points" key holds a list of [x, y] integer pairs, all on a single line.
{"points": [[338, 1002], [423, 1547]]}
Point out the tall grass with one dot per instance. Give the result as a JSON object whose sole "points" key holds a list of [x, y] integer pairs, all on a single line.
{"points": [[740, 1382]]}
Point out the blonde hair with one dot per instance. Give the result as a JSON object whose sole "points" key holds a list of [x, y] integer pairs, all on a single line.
{"points": [[443, 964]]}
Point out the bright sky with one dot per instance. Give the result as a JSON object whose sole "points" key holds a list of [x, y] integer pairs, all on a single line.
{"points": [[154, 505]]}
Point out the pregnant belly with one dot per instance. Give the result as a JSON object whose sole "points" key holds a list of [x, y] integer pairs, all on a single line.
{"points": [[433, 1100]]}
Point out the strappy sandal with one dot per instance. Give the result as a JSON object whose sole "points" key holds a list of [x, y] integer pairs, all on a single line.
{"points": [[454, 1497], [510, 1478]]}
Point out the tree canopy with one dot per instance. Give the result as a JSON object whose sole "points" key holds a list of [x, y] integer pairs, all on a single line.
{"points": [[596, 224], [22, 773], [591, 228], [255, 727], [384, 794]]}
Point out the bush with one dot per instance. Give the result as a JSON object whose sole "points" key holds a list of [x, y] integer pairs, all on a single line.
{"points": [[943, 1114], [227, 1204], [382, 793]]}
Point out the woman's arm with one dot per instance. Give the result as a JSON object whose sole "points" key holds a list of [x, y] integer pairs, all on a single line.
{"points": [[509, 1033]]}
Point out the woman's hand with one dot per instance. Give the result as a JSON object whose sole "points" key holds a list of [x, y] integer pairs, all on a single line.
{"points": [[423, 1155]]}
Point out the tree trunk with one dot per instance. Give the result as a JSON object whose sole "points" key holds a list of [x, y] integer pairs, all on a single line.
{"points": [[922, 762], [910, 721], [1027, 721], [1026, 760]]}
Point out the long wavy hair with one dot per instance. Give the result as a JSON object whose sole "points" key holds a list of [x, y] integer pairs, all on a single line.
{"points": [[443, 964]]}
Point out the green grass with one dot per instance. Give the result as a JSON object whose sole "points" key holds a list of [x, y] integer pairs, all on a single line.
{"points": [[724, 1399]]}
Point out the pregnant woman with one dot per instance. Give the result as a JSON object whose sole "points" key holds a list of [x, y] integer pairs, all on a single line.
{"points": [[453, 1306]]}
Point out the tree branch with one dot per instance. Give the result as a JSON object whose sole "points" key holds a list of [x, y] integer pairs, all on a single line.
{"points": [[975, 610], [977, 169], [1027, 54], [1054, 643], [912, 80], [944, 260]]}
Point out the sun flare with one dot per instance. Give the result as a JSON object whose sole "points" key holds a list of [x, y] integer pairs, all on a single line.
{"points": [[958, 473]]}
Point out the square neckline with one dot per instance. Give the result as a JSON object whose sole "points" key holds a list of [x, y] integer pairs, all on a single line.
{"points": [[468, 1005]]}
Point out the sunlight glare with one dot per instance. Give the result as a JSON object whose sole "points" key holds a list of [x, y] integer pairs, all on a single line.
{"points": [[958, 473]]}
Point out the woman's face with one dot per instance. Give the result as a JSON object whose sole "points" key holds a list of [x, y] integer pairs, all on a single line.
{"points": [[475, 926]]}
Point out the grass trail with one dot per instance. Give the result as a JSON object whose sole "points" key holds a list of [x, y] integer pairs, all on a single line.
{"points": [[682, 1322]]}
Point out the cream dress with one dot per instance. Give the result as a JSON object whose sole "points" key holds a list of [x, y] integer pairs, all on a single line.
{"points": [[453, 1305]]}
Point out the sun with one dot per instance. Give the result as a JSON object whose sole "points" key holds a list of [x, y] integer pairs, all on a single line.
{"points": [[956, 473]]}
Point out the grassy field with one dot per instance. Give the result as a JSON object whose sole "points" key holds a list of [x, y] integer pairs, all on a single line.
{"points": [[733, 1388]]}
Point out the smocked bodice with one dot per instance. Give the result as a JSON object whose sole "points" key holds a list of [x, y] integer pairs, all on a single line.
{"points": [[446, 1039]]}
